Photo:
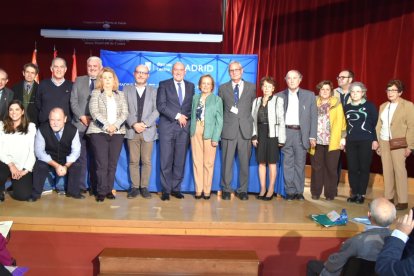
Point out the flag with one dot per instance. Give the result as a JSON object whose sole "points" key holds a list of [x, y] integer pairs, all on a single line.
{"points": [[54, 53], [34, 61], [74, 66]]}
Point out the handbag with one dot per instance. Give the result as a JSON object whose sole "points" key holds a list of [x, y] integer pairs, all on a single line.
{"points": [[395, 143], [398, 143]]}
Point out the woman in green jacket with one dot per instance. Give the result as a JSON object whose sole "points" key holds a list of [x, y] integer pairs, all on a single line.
{"points": [[205, 131]]}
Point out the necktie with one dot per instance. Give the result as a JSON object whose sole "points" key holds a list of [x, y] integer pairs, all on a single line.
{"points": [[180, 93], [28, 88], [57, 136], [92, 85], [236, 94]]}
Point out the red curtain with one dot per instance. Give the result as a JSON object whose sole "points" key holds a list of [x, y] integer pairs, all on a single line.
{"points": [[322, 37]]}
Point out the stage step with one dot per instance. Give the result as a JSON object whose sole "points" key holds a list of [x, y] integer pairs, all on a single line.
{"points": [[130, 261]]}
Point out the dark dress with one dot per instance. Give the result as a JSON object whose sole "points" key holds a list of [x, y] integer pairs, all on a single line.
{"points": [[267, 150]]}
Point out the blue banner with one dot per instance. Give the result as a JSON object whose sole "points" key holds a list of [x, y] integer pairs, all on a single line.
{"points": [[160, 65]]}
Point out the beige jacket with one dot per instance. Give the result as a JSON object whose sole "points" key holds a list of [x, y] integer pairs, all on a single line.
{"points": [[402, 123]]}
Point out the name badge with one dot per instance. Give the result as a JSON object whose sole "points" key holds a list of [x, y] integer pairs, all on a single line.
{"points": [[234, 109]]}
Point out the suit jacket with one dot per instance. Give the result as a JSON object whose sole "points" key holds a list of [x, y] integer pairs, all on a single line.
{"points": [[213, 117], [243, 120], [6, 98], [366, 245], [32, 112], [168, 105], [79, 101], [98, 108], [402, 122], [308, 113], [149, 113], [391, 260]]}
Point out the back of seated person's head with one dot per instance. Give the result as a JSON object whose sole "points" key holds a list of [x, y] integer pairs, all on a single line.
{"points": [[382, 212]]}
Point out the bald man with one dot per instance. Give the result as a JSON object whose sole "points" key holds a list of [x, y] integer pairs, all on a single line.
{"points": [[366, 245], [57, 148]]}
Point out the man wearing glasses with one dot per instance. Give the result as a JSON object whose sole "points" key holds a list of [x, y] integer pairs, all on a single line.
{"points": [[238, 96], [141, 130], [345, 78]]}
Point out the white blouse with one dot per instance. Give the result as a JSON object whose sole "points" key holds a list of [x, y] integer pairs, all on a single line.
{"points": [[18, 148]]}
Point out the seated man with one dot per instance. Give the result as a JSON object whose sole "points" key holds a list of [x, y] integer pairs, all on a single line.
{"points": [[365, 245], [57, 147], [397, 255]]}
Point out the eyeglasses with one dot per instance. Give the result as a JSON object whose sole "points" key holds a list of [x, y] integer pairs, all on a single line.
{"points": [[391, 90], [141, 73], [342, 77], [234, 70]]}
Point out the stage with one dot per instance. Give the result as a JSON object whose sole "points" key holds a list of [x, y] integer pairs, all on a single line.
{"points": [[279, 231]]}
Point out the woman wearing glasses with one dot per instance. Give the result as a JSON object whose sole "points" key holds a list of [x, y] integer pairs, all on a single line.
{"points": [[396, 120]]}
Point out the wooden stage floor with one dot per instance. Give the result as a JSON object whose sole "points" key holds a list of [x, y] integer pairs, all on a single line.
{"points": [[187, 216]]}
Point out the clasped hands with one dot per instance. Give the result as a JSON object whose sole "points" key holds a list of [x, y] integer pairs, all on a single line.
{"points": [[16, 173]]}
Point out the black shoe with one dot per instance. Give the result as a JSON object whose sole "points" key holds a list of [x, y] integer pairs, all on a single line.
{"points": [[165, 196], [83, 191], [315, 197], [178, 195], [10, 189], [360, 199], [206, 197], [79, 196], [299, 197], [145, 193], [225, 196], [290, 197], [60, 192], [1, 197], [352, 198], [243, 196], [198, 196], [329, 198], [100, 198], [110, 196], [268, 198], [134, 192]]}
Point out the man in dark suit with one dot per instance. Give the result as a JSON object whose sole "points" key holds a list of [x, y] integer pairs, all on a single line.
{"points": [[25, 91], [6, 94], [141, 130], [238, 96], [174, 99], [301, 126], [397, 255], [79, 103]]}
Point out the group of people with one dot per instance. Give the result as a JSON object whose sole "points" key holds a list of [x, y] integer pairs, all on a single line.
{"points": [[83, 124]]}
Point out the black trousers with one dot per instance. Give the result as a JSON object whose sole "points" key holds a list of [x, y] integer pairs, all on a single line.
{"points": [[22, 188], [106, 150], [359, 157], [41, 171]]}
